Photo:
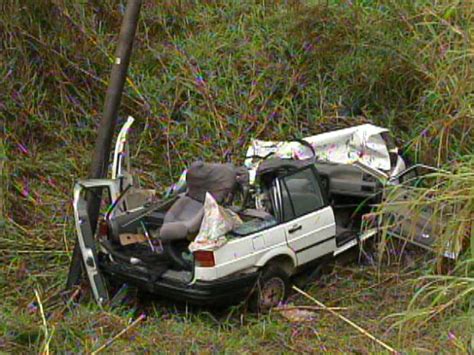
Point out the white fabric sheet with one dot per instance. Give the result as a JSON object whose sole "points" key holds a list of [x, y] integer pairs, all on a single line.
{"points": [[362, 143], [216, 223]]}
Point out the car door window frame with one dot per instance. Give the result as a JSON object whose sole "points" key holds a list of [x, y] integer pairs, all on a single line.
{"points": [[293, 212], [401, 177], [280, 183]]}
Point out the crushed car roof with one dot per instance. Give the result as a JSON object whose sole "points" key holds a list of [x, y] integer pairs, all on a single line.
{"points": [[363, 143]]}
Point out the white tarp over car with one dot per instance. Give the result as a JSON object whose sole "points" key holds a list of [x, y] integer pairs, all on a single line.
{"points": [[216, 223], [362, 143]]}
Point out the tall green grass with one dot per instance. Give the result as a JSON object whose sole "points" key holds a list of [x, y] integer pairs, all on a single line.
{"points": [[206, 77], [447, 290]]}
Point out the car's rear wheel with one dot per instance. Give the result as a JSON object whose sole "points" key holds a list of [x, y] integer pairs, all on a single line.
{"points": [[272, 288]]}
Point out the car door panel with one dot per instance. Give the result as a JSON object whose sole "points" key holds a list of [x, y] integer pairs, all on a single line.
{"points": [[418, 227], [315, 235], [309, 222], [421, 225]]}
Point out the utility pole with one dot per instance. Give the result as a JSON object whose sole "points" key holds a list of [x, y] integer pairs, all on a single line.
{"points": [[103, 143]]}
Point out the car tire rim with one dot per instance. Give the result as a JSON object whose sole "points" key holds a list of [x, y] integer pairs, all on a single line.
{"points": [[272, 293]]}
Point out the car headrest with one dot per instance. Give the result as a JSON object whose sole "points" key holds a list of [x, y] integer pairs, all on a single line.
{"points": [[217, 179]]}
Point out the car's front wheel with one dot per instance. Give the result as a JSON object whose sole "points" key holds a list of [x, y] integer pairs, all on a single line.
{"points": [[272, 288]]}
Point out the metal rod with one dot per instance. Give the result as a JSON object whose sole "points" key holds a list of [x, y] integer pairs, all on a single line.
{"points": [[103, 143]]}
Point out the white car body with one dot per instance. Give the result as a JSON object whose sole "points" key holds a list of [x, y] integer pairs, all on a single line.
{"points": [[304, 230], [314, 240]]}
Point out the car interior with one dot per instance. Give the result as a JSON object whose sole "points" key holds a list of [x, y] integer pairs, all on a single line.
{"points": [[351, 193]]}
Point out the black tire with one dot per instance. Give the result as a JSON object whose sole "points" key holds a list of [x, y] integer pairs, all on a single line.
{"points": [[272, 288]]}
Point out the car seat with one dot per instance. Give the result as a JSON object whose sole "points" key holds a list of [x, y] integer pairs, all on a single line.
{"points": [[183, 220]]}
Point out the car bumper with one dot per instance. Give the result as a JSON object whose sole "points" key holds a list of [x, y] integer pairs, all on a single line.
{"points": [[225, 291]]}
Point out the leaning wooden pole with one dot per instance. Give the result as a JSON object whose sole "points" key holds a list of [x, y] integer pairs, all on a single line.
{"points": [[103, 143]]}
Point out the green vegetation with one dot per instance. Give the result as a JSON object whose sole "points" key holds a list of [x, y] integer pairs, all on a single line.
{"points": [[206, 77]]}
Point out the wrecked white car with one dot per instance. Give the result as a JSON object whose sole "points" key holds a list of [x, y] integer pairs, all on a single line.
{"points": [[225, 233]]}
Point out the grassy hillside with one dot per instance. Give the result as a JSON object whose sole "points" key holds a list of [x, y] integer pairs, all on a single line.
{"points": [[206, 77]]}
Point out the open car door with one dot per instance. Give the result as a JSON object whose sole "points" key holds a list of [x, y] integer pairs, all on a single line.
{"points": [[411, 213]]}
